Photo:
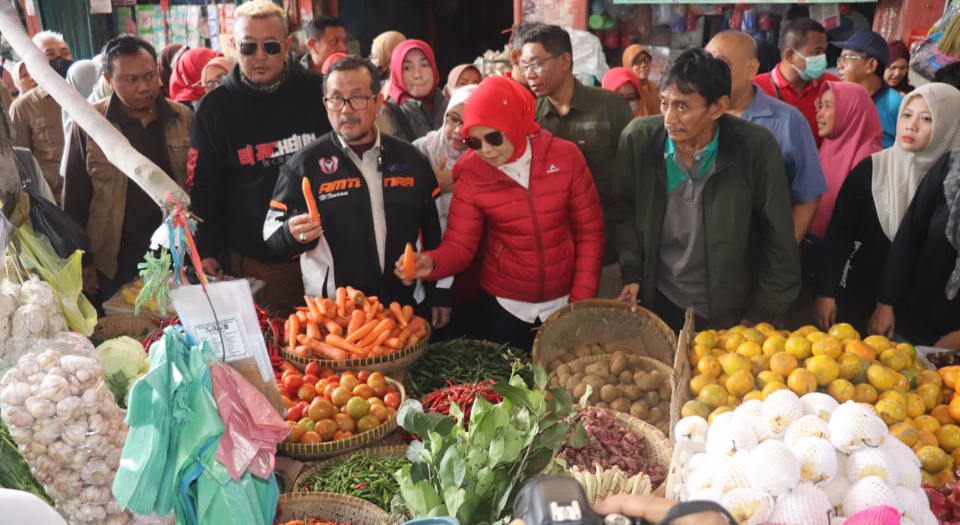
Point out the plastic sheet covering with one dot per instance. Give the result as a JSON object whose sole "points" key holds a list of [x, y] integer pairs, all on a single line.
{"points": [[37, 254], [588, 58], [64, 418]]}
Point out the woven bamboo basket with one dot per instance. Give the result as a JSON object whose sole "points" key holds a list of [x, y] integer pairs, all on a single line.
{"points": [[320, 451], [658, 447], [392, 365], [329, 507], [611, 325], [681, 375], [386, 451], [125, 324], [647, 364]]}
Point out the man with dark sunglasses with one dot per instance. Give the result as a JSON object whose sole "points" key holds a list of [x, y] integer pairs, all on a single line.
{"points": [[374, 193], [266, 110]]}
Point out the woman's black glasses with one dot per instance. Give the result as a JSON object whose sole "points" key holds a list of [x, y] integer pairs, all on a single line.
{"points": [[494, 138], [250, 48]]}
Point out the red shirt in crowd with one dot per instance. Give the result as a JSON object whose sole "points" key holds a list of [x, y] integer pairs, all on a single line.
{"points": [[775, 85]]}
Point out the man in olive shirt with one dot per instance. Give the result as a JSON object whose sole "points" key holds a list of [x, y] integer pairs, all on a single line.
{"points": [[592, 118], [37, 126]]}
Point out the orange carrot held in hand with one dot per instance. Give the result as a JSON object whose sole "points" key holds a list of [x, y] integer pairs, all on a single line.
{"points": [[311, 201], [409, 262]]}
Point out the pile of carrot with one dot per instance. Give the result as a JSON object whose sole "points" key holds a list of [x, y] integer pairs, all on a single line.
{"points": [[351, 327]]}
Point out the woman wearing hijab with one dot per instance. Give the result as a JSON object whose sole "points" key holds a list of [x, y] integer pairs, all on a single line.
{"points": [[21, 78], [873, 200], [165, 62], [214, 72], [849, 125], [896, 74], [83, 76], [381, 51], [444, 147], [625, 82], [186, 84], [638, 60], [925, 302], [415, 106], [536, 258], [462, 75]]}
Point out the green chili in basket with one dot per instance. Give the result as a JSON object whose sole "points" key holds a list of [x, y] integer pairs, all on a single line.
{"points": [[463, 361], [364, 475]]}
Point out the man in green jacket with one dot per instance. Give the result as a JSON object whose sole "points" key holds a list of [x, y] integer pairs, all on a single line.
{"points": [[702, 206]]}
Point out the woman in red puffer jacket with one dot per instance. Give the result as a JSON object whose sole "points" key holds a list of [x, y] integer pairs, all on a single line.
{"points": [[531, 199]]}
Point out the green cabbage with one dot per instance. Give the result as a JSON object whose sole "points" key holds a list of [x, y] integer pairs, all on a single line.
{"points": [[123, 354]]}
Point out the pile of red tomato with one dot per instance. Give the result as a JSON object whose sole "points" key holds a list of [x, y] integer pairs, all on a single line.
{"points": [[323, 406]]}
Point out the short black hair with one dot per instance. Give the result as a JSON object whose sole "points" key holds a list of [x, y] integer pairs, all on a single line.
{"points": [[123, 45], [350, 63], [949, 75], [794, 36], [696, 71], [554, 39], [318, 25], [520, 33]]}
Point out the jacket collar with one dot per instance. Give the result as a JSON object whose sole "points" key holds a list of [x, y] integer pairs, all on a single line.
{"points": [[726, 146], [576, 101], [165, 113], [760, 106]]}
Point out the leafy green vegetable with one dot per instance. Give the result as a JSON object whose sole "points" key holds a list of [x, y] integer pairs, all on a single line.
{"points": [[156, 281], [474, 473]]}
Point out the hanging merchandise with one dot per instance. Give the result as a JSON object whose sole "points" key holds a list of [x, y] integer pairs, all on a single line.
{"points": [[827, 14], [938, 50]]}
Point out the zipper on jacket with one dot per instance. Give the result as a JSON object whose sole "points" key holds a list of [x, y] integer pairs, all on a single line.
{"points": [[536, 233]]}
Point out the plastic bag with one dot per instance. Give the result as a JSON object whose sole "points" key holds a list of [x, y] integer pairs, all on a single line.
{"points": [[927, 59], [588, 57], [38, 254], [64, 419], [65, 234]]}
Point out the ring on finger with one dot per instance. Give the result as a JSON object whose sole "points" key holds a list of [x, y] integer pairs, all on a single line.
{"points": [[303, 237]]}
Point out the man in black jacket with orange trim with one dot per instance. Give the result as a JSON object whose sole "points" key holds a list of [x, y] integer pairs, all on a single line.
{"points": [[374, 193]]}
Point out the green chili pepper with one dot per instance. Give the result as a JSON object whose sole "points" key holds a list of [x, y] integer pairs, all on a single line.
{"points": [[365, 476]]}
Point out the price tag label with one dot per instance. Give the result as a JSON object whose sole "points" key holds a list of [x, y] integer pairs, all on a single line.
{"points": [[226, 337]]}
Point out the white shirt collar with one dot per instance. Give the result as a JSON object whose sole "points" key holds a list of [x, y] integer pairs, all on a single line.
{"points": [[519, 170]]}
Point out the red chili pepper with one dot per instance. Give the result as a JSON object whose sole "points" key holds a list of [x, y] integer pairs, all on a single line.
{"points": [[360, 486]]}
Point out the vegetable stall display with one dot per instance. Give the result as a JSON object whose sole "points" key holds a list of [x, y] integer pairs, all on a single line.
{"points": [[364, 475], [465, 361]]}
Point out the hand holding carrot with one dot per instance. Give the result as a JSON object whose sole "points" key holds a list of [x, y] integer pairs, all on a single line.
{"points": [[303, 229], [423, 266]]}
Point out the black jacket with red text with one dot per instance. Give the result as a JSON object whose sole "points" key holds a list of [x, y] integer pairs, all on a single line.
{"points": [[346, 254]]}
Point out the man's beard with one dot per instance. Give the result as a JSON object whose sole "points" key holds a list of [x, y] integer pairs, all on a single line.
{"points": [[356, 136]]}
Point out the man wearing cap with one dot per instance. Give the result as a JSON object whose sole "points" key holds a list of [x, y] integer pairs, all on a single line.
{"points": [[862, 61]]}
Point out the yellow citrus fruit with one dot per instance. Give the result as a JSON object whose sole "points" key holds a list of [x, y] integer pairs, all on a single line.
{"points": [[865, 393], [770, 388], [902, 384], [766, 377], [929, 377], [932, 459], [945, 476], [802, 381], [878, 342], [949, 374], [953, 408], [926, 424], [942, 413], [714, 396], [733, 362], [698, 353], [842, 390], [861, 350], [927, 439], [842, 331], [895, 395], [740, 383], [710, 366], [949, 437], [881, 377], [930, 394], [816, 336], [827, 346], [706, 339], [908, 349], [850, 366], [808, 329], [783, 363], [698, 382], [911, 377], [774, 345], [824, 368], [753, 394], [759, 363], [733, 402], [750, 349], [891, 411], [915, 406], [718, 353], [722, 380], [894, 359], [717, 412], [754, 335], [733, 341], [737, 329], [956, 456], [799, 347], [765, 327], [905, 433], [695, 408]]}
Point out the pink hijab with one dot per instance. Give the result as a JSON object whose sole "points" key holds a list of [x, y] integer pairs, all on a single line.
{"points": [[856, 135], [186, 83], [398, 92]]}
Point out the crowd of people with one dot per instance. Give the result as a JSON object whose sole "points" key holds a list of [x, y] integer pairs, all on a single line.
{"points": [[747, 186]]}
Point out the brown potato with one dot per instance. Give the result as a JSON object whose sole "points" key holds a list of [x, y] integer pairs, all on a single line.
{"points": [[571, 383], [575, 367], [638, 377], [595, 382], [578, 391], [665, 391], [608, 393], [626, 378], [611, 380], [597, 349], [601, 405], [582, 351], [652, 398], [618, 364], [563, 369], [631, 392], [650, 381], [621, 405], [655, 415], [579, 376], [639, 410], [598, 369], [555, 381]]}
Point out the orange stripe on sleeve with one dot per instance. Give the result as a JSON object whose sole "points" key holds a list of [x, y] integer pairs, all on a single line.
{"points": [[436, 193], [278, 205]]}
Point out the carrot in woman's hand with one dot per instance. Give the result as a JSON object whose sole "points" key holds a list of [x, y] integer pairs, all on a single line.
{"points": [[398, 314], [311, 201], [409, 262]]}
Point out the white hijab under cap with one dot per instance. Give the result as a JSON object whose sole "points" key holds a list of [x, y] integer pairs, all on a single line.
{"points": [[897, 173]]}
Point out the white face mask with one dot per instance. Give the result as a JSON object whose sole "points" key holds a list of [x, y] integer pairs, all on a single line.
{"points": [[634, 105]]}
